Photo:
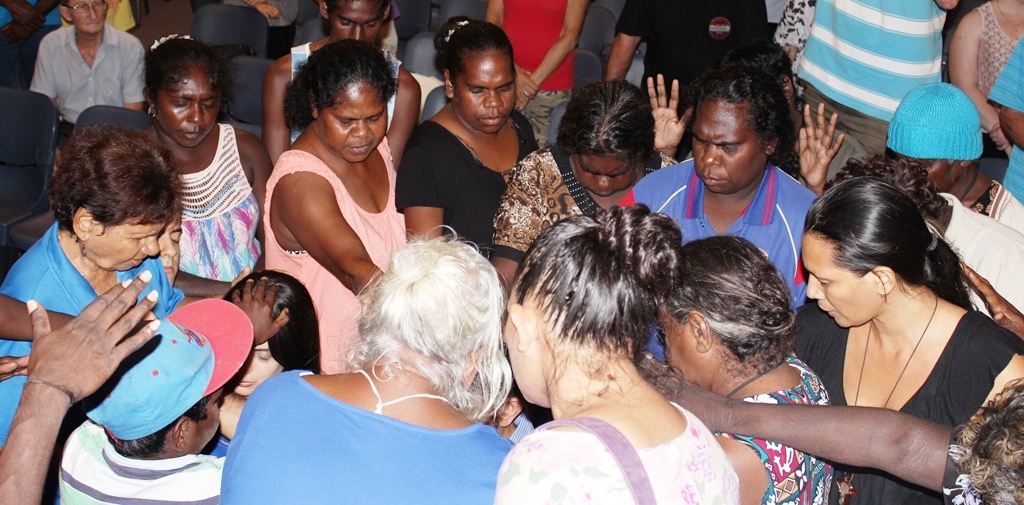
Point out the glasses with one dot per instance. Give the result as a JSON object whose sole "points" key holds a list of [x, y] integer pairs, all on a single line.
{"points": [[94, 7]]}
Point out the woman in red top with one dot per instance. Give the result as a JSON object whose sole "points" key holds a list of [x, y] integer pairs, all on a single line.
{"points": [[544, 37]]}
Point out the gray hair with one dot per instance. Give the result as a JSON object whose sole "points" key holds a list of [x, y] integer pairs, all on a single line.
{"points": [[438, 310]]}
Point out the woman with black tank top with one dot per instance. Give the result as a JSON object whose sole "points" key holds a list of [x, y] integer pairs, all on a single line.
{"points": [[894, 327]]}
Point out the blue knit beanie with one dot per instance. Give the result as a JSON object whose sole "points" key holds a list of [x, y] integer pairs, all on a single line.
{"points": [[936, 122]]}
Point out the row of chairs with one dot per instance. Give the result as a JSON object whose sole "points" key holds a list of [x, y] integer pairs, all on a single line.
{"points": [[28, 141]]}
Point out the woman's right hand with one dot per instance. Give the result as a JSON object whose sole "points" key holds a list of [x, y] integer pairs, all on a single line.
{"points": [[669, 126]]}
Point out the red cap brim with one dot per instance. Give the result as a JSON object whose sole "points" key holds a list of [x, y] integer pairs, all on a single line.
{"points": [[227, 328]]}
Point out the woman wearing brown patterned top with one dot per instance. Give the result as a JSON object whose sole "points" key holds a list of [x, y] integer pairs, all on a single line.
{"points": [[606, 143]]}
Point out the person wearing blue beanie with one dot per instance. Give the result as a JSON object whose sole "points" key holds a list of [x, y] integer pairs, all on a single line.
{"points": [[938, 127]]}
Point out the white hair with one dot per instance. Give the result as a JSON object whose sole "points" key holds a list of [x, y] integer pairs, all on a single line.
{"points": [[438, 310]]}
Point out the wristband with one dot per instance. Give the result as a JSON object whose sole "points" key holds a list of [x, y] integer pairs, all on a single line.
{"points": [[71, 397]]}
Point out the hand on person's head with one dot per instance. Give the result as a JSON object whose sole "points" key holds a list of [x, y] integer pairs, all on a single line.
{"points": [[11, 366], [1002, 311], [257, 301], [83, 354]]}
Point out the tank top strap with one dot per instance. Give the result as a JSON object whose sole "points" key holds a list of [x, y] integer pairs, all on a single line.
{"points": [[381, 403], [373, 387]]}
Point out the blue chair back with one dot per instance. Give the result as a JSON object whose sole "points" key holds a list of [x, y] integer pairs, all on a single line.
{"points": [[588, 68], [472, 9], [314, 29], [28, 141], [598, 31], [247, 96], [112, 115], [309, 10], [421, 56], [218, 25], [436, 100], [415, 18], [554, 122]]}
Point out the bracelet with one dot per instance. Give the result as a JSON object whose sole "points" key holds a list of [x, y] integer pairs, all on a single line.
{"points": [[71, 397]]}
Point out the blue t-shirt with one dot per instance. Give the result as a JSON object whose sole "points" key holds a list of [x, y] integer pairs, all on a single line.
{"points": [[45, 274], [774, 220], [294, 444]]}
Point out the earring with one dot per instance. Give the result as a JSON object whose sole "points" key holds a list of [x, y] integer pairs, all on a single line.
{"points": [[82, 245], [151, 111]]}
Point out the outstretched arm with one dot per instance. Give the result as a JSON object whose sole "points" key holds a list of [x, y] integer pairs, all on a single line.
{"points": [[65, 366], [900, 444]]}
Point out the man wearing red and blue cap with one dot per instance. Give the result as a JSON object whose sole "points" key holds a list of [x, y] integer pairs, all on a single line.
{"points": [[148, 423]]}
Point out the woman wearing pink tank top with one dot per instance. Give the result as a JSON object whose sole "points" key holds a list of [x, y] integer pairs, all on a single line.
{"points": [[331, 220]]}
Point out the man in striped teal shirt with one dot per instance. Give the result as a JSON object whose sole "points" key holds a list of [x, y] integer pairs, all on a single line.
{"points": [[864, 56]]}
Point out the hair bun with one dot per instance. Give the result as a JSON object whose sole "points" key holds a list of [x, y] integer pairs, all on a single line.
{"points": [[644, 242]]}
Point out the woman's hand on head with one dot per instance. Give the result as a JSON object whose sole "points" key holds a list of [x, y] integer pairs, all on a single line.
{"points": [[257, 300], [83, 354], [818, 146], [669, 126]]}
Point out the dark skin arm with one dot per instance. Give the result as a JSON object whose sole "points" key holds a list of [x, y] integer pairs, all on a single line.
{"points": [[276, 136], [407, 114], [304, 207], [77, 358], [506, 270], [900, 444], [621, 57], [199, 287], [15, 323]]}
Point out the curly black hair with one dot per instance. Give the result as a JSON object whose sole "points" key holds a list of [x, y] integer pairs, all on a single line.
{"points": [[908, 176], [169, 64], [611, 118], [331, 70], [769, 110]]}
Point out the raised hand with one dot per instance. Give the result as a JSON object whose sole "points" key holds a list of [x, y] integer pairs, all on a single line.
{"points": [[669, 127], [818, 146]]}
